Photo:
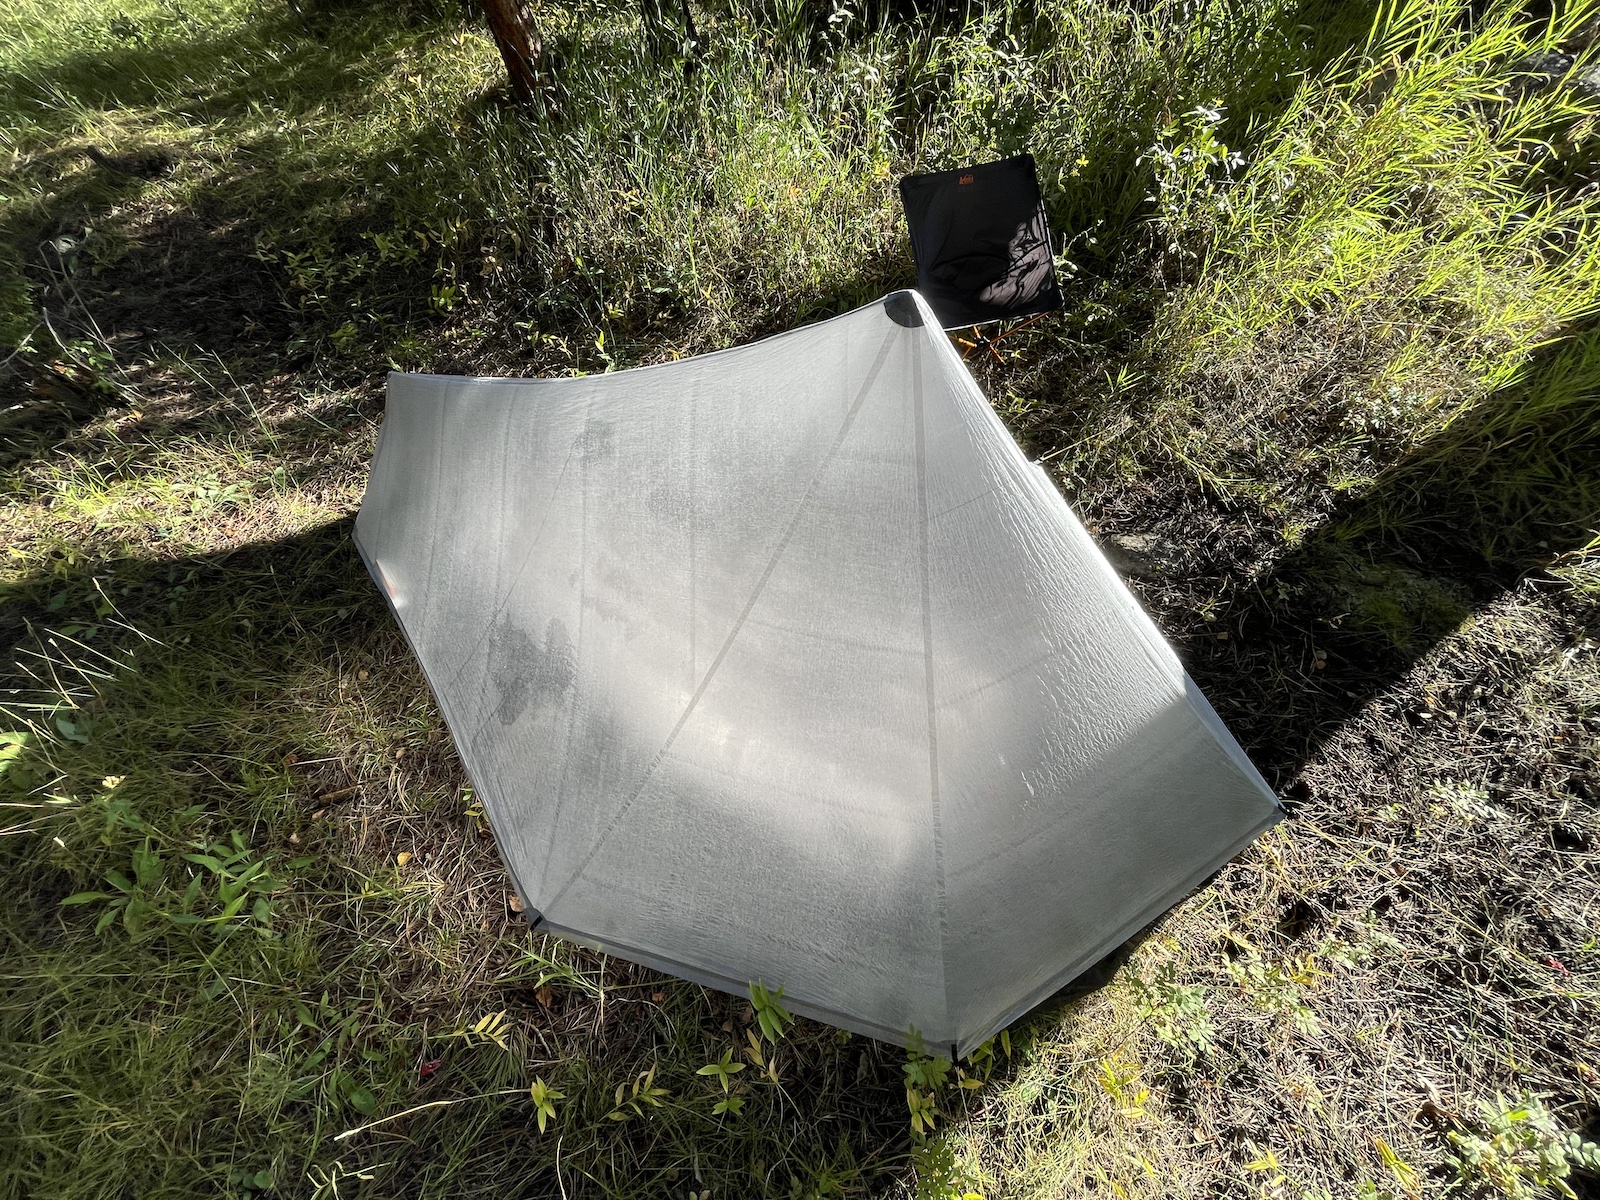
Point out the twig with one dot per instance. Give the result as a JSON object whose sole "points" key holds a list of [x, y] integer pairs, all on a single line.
{"points": [[339, 1137]]}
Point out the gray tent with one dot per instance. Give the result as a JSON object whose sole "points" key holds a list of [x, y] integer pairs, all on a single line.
{"points": [[784, 664]]}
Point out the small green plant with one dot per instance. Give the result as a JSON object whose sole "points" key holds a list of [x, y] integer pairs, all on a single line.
{"points": [[983, 1059], [771, 1015], [926, 1074], [472, 809], [1192, 170], [941, 1174], [250, 1181], [724, 1069], [491, 1029], [768, 1063], [1278, 987], [355, 1093], [632, 1100], [544, 1102], [1119, 1079], [1265, 1162], [923, 1068], [1357, 955], [1520, 1149], [924, 1111], [1177, 1013], [209, 494], [12, 745], [239, 878], [242, 883], [132, 897], [1465, 800]]}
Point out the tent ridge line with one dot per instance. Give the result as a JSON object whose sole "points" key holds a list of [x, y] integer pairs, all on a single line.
{"points": [[923, 526], [583, 608], [727, 644]]}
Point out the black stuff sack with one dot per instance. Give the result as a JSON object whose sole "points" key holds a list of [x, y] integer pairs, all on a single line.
{"points": [[981, 242]]}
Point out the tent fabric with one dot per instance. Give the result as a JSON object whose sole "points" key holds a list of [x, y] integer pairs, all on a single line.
{"points": [[784, 664], [981, 242]]}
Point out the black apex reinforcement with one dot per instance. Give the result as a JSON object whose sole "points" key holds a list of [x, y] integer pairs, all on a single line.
{"points": [[901, 308]]}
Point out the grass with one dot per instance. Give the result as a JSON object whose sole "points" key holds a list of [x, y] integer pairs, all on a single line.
{"points": [[1326, 380]]}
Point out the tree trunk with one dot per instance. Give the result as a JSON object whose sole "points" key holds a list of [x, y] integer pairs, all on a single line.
{"points": [[512, 26], [664, 39]]}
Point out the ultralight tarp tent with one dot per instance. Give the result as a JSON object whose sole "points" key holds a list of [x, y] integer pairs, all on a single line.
{"points": [[784, 664]]}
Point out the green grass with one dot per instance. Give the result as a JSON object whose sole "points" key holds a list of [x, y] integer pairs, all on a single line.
{"points": [[1329, 356]]}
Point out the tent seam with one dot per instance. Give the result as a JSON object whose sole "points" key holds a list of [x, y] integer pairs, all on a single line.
{"points": [[517, 577], [574, 706], [923, 530], [716, 663], [1144, 916]]}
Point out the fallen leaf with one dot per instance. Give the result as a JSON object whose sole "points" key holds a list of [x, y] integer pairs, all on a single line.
{"points": [[544, 996], [427, 1069], [402, 858], [514, 902]]}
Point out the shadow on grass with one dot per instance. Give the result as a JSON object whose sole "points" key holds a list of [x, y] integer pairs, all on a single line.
{"points": [[268, 693], [1485, 507], [180, 258], [188, 274]]}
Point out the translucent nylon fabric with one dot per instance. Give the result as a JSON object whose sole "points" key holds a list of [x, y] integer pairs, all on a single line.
{"points": [[784, 664]]}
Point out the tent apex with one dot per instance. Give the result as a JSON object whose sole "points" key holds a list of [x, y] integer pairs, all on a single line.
{"points": [[902, 308]]}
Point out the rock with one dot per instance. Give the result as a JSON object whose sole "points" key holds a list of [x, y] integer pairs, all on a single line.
{"points": [[1138, 554], [1537, 72]]}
